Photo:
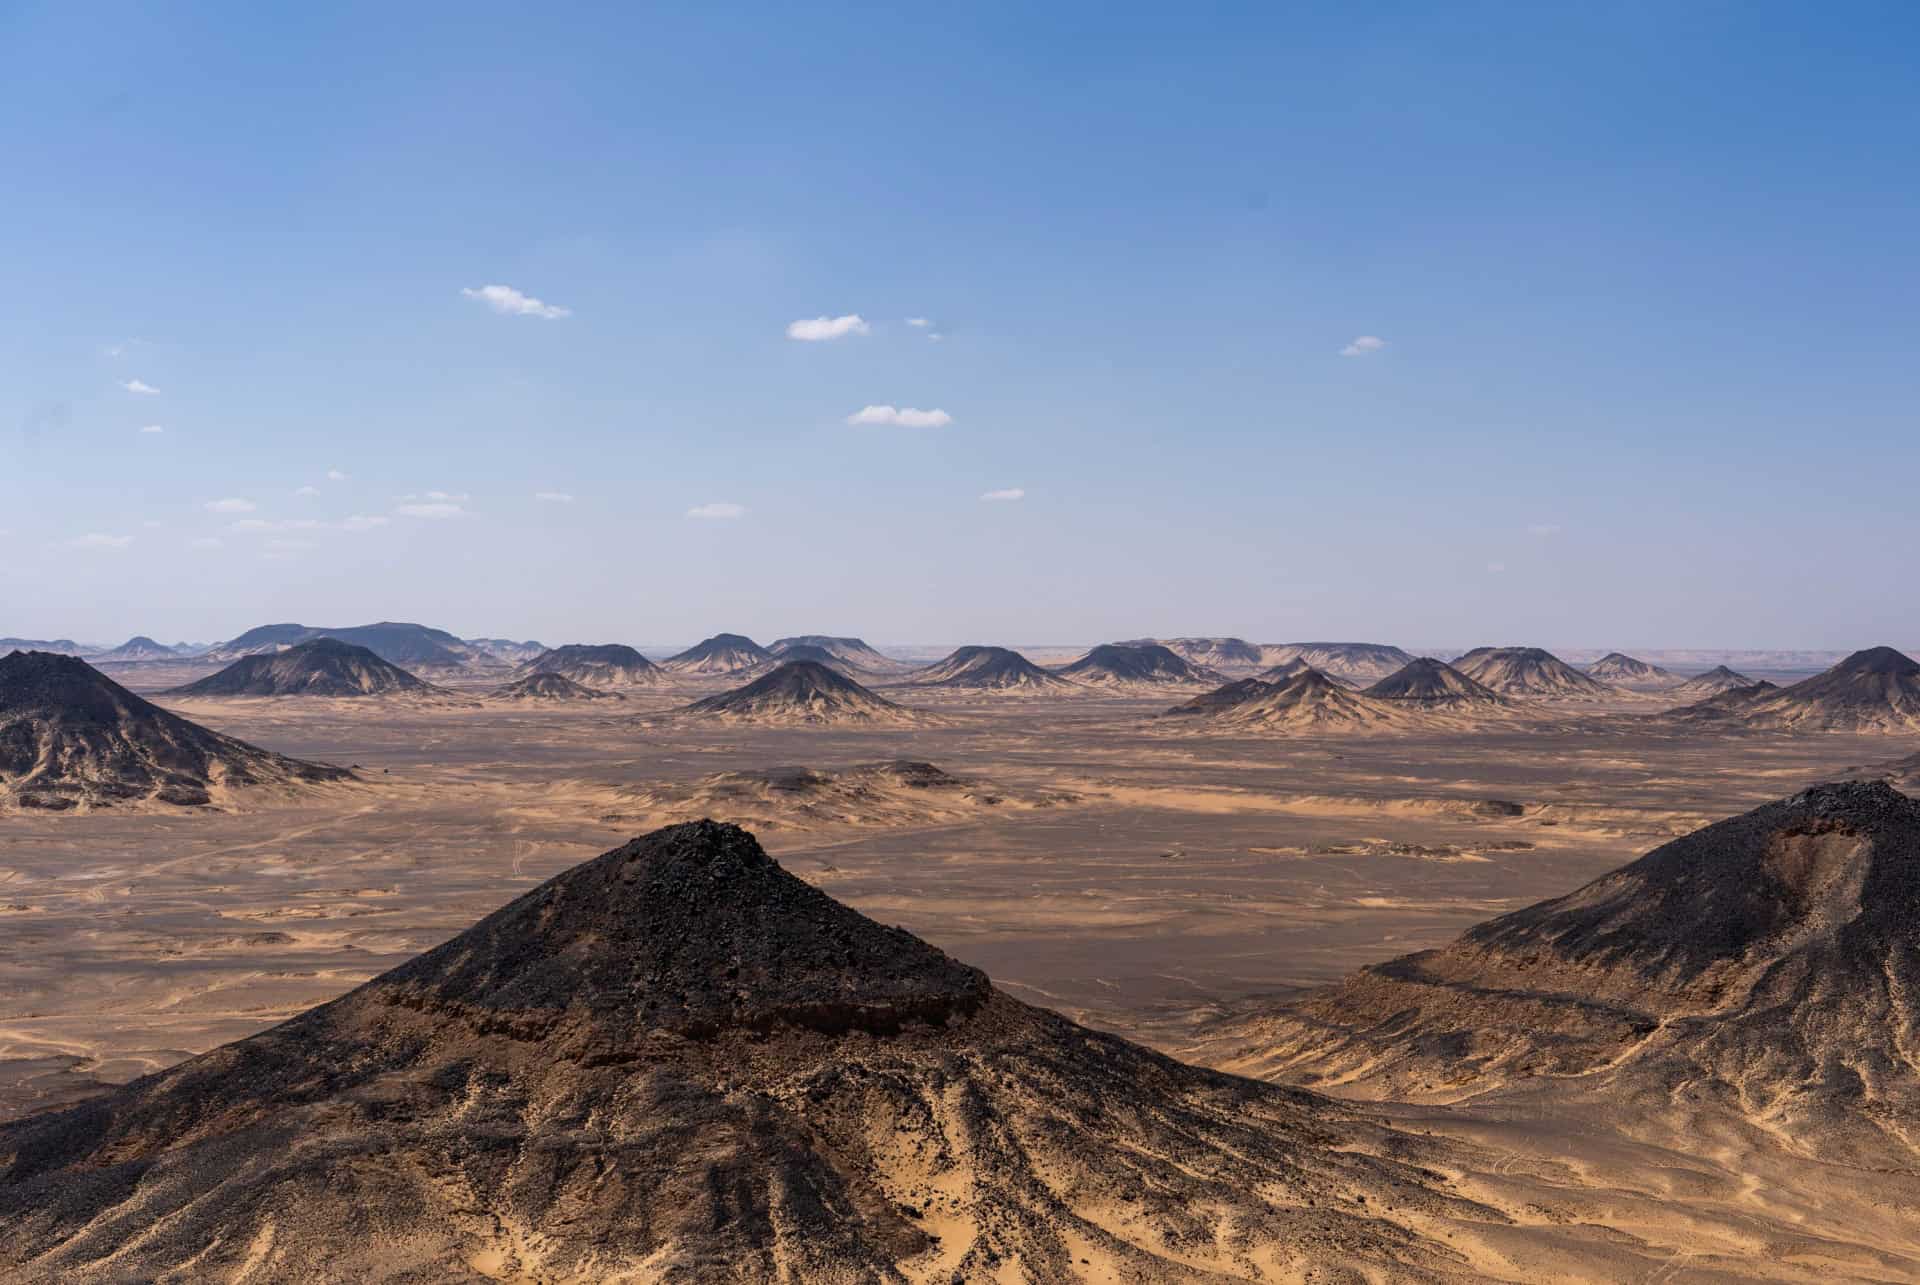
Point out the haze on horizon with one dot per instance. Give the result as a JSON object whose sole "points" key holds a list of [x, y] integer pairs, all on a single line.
{"points": [[1490, 325]]}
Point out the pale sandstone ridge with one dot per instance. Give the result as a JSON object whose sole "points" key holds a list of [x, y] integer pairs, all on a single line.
{"points": [[678, 1062], [800, 692], [322, 667], [604, 665], [72, 738], [1767, 967]]}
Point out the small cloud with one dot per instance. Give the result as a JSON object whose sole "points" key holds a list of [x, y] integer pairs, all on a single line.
{"points": [[1009, 493], [935, 336], [717, 510], [437, 509], [921, 322], [335, 475], [140, 386], [95, 540], [203, 542], [1364, 346], [1496, 567], [819, 328], [446, 497], [511, 303], [308, 490], [553, 497], [362, 522], [250, 524], [152, 428], [232, 504], [900, 417]]}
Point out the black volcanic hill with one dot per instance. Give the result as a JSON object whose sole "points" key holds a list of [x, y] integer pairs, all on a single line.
{"points": [[1309, 702], [1623, 670], [1529, 672], [800, 691], [323, 667], [819, 655], [988, 669], [135, 649], [1768, 960], [851, 652], [1726, 706], [1219, 699], [56, 646], [678, 1062], [720, 654], [1712, 683], [1431, 682], [1288, 670], [601, 665], [1876, 690], [1142, 665], [549, 689], [1359, 662], [70, 737], [408, 645], [1223, 654]]}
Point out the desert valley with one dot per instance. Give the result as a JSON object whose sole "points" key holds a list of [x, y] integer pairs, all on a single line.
{"points": [[1201, 960]]}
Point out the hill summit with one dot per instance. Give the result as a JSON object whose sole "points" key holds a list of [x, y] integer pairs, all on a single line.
{"points": [[720, 654], [322, 667], [800, 691], [603, 665], [1123, 665], [1532, 672], [677, 1061], [988, 669], [70, 737]]}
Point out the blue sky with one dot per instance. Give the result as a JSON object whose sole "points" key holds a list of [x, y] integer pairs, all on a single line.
{"points": [[1644, 277]]}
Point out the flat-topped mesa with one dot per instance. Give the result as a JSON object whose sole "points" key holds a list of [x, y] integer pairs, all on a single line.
{"points": [[70, 737], [321, 667], [604, 665], [1287, 670], [1355, 662], [800, 691], [988, 669], [854, 653]]}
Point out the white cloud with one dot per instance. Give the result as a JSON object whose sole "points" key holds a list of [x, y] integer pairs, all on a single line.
{"points": [[1496, 567], [935, 335], [553, 497], [1364, 346], [203, 542], [1009, 493], [152, 428], [251, 524], [95, 540], [721, 509], [430, 510], [447, 497], [1544, 528], [921, 322], [900, 417], [308, 490], [362, 522], [335, 475], [232, 504], [140, 386], [511, 303], [819, 328]]}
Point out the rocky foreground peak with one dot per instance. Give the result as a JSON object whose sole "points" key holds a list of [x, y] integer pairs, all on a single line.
{"points": [[692, 929]]}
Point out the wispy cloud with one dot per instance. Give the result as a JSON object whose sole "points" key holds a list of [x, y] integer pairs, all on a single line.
{"points": [[152, 428], [720, 509], [920, 322], [512, 303], [451, 497], [553, 497], [818, 328], [97, 540], [232, 504], [430, 509], [900, 417], [1364, 346], [335, 475], [1007, 493], [140, 386], [308, 490], [363, 522]]}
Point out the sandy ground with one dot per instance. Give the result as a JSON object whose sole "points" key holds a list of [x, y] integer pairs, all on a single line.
{"points": [[1186, 875]]}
